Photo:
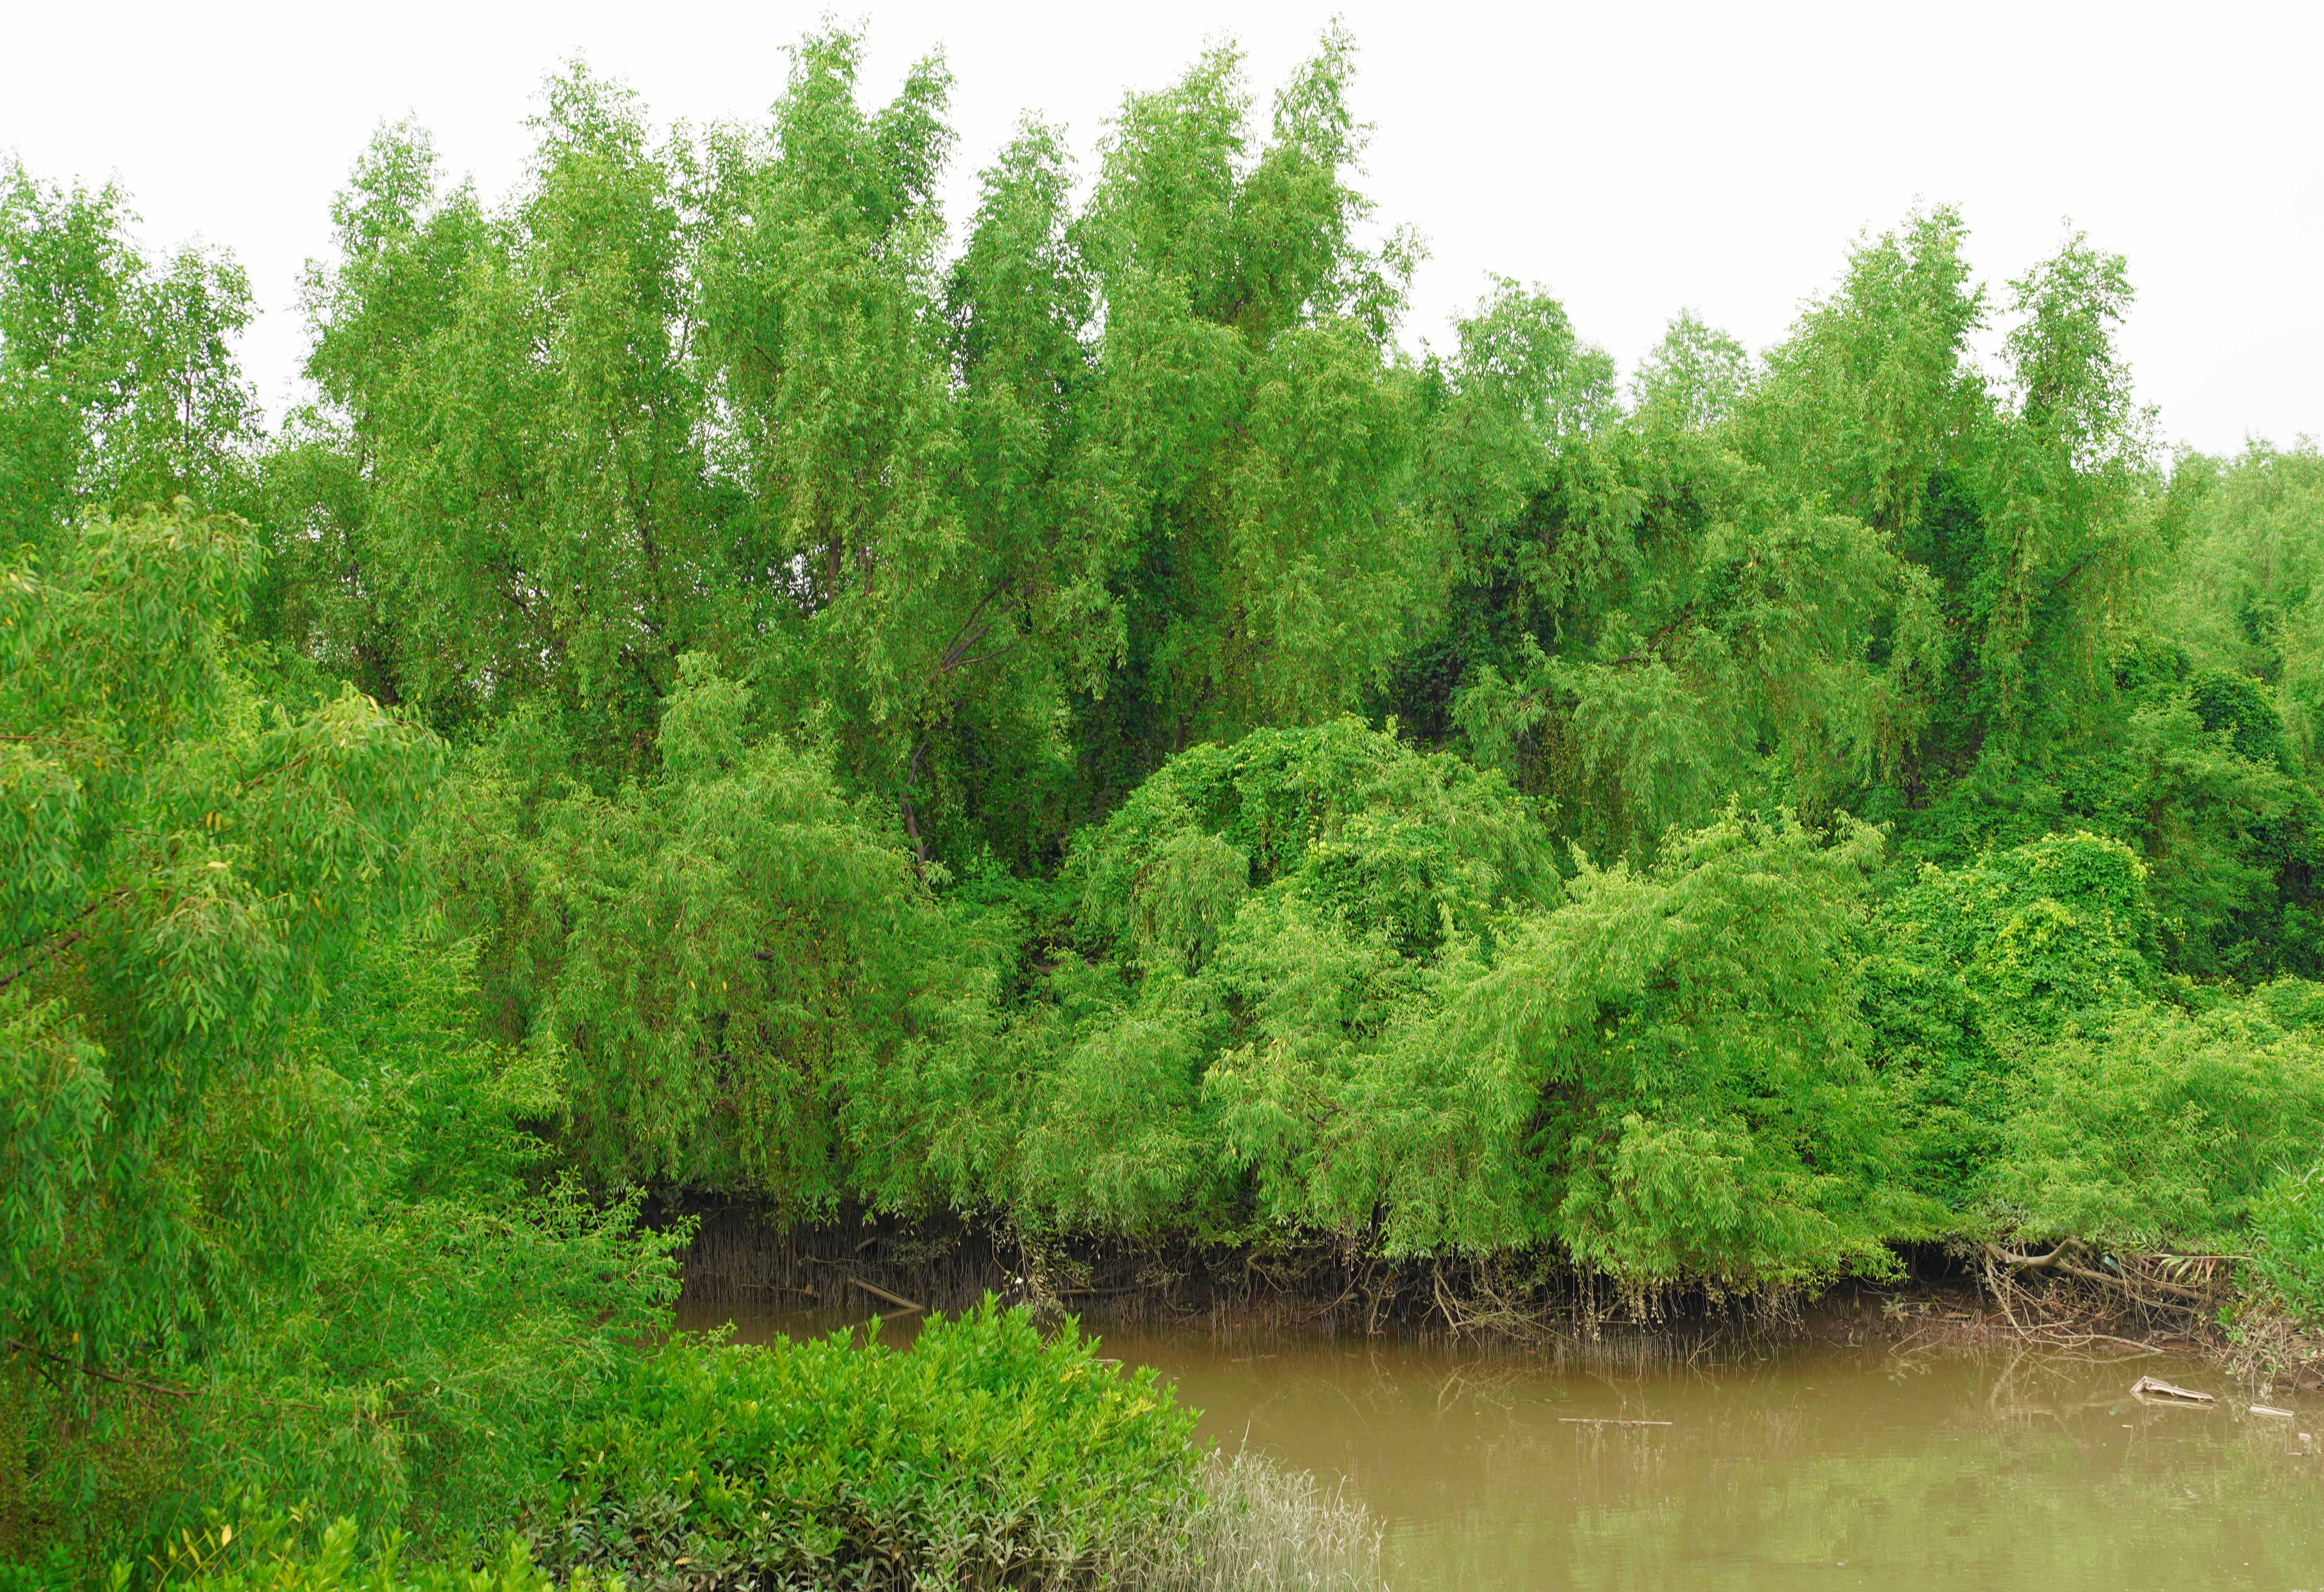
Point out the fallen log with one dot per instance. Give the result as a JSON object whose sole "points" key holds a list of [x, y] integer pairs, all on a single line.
{"points": [[898, 1299]]}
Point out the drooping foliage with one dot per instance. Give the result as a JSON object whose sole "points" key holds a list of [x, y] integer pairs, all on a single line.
{"points": [[732, 946], [463, 1302], [1254, 912], [2156, 1129]]}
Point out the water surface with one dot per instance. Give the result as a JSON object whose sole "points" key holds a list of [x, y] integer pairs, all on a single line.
{"points": [[1788, 1464]]}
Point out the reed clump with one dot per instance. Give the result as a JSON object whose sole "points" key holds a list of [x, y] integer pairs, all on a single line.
{"points": [[1253, 1526]]}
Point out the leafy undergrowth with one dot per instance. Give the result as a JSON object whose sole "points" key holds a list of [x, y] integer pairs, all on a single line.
{"points": [[989, 1455], [2278, 1325]]}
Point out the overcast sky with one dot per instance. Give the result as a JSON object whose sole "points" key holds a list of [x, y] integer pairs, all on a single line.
{"points": [[1635, 159]]}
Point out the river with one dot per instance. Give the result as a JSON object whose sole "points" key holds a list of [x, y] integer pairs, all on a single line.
{"points": [[1783, 1464]]}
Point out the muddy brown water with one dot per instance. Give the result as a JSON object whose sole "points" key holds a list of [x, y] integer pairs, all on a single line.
{"points": [[1786, 1463]]}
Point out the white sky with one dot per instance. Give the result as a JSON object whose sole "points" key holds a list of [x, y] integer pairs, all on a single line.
{"points": [[1635, 159]]}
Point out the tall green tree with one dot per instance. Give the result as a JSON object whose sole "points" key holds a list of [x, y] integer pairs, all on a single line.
{"points": [[503, 494], [332, 591], [1265, 432], [183, 866], [118, 378]]}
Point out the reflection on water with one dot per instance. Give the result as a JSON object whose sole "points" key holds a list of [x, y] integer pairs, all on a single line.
{"points": [[1787, 1465]]}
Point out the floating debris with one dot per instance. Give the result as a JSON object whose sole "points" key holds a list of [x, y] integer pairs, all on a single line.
{"points": [[898, 1299], [2162, 1392], [1607, 1421]]}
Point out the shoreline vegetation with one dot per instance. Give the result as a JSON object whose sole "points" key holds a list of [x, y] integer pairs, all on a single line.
{"points": [[740, 1257], [1059, 753]]}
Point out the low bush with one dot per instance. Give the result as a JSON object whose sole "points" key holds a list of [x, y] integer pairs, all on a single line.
{"points": [[2288, 1244], [2157, 1129], [987, 1457], [1245, 1526], [265, 1555]]}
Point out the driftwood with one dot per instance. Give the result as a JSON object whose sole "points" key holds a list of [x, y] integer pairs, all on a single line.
{"points": [[898, 1299], [1607, 1421], [2160, 1391], [2271, 1412], [2058, 1259]]}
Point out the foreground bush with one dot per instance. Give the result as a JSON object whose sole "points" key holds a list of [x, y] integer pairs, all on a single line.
{"points": [[986, 1456], [217, 1564], [1246, 1527]]}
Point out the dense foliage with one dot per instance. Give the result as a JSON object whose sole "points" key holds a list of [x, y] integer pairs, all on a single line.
{"points": [[728, 688], [986, 1456]]}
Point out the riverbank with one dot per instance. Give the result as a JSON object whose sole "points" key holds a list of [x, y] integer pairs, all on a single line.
{"points": [[859, 1265]]}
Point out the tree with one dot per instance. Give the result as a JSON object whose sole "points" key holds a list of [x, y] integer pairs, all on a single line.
{"points": [[118, 382], [183, 866], [1264, 437]]}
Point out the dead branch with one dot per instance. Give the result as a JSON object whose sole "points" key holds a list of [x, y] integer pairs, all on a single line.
{"points": [[898, 1299], [2056, 1260]]}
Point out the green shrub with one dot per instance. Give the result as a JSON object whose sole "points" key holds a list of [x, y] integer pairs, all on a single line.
{"points": [[2156, 1129], [226, 1559], [468, 1305], [2288, 1242], [1663, 1077], [1968, 967], [1404, 845], [986, 1456]]}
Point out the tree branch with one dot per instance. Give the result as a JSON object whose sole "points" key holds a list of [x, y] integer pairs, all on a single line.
{"points": [[2056, 1261], [43, 950], [22, 1348]]}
